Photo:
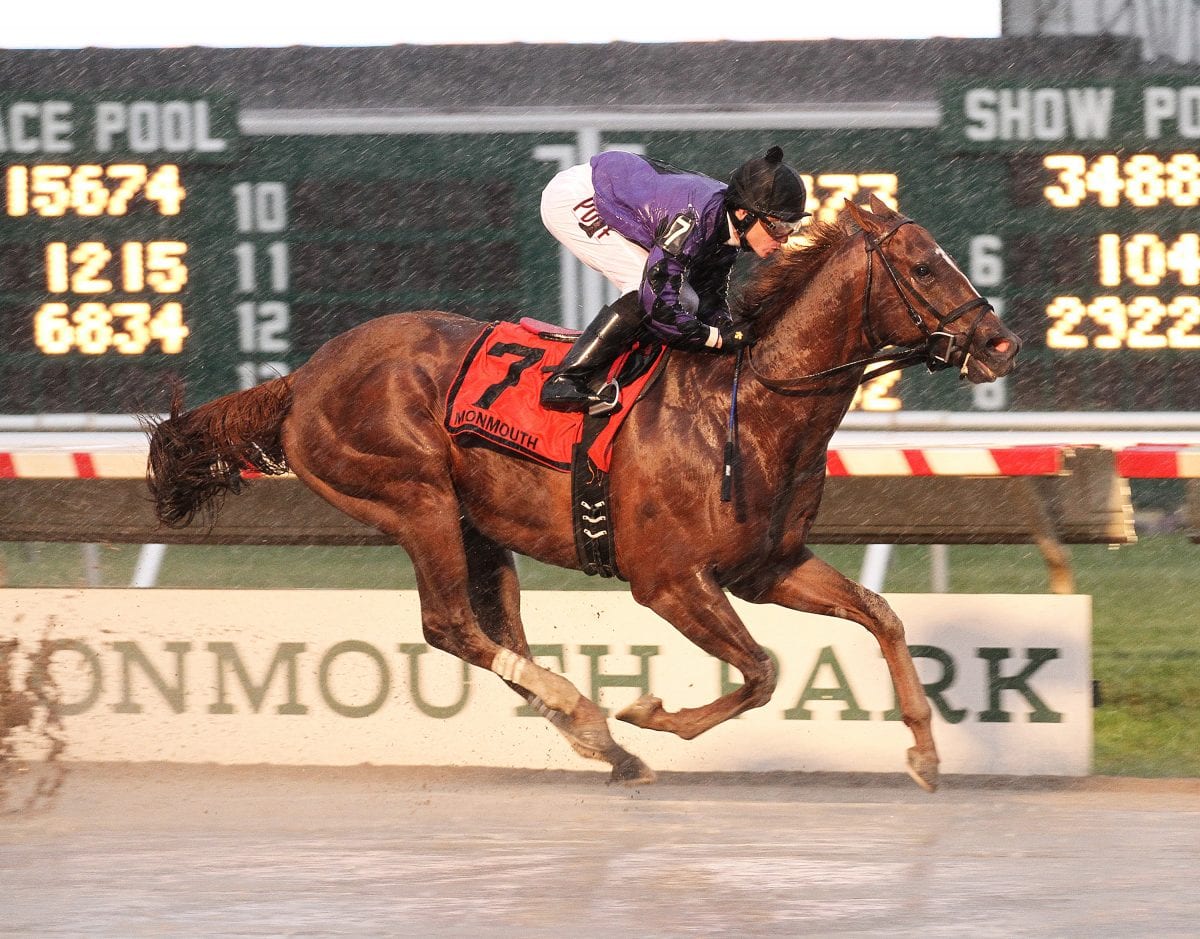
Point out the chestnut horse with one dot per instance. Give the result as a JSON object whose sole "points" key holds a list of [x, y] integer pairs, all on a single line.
{"points": [[361, 424]]}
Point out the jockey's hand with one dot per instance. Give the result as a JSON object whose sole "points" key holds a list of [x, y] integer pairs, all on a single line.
{"points": [[732, 338]]}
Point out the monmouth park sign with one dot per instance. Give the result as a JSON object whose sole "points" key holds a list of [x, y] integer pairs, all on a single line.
{"points": [[344, 677]]}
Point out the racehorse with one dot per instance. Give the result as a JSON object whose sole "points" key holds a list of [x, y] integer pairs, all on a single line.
{"points": [[361, 424]]}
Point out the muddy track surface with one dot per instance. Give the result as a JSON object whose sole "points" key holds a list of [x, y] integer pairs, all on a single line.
{"points": [[158, 849]]}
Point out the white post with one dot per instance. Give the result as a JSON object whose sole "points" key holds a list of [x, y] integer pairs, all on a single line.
{"points": [[91, 564], [149, 563], [939, 568], [569, 315], [592, 283], [876, 560]]}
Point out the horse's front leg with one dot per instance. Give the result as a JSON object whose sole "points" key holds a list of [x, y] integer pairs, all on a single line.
{"points": [[699, 609], [816, 587]]}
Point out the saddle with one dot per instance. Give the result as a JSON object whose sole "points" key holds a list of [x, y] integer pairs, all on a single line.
{"points": [[494, 402]]}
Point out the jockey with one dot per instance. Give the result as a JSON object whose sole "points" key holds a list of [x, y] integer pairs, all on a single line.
{"points": [[668, 240]]}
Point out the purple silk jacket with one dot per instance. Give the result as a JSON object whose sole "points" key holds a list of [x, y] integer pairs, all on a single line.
{"points": [[680, 218]]}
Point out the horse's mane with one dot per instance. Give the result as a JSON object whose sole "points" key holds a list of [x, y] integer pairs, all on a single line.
{"points": [[773, 286]]}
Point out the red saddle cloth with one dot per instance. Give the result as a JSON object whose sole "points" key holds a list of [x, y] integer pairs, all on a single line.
{"points": [[495, 395]]}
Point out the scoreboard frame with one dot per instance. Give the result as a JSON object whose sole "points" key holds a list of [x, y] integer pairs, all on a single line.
{"points": [[279, 229]]}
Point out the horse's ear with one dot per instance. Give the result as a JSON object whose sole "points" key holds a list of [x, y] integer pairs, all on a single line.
{"points": [[866, 220], [881, 208]]}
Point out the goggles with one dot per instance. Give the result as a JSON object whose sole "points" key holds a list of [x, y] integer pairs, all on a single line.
{"points": [[777, 228]]}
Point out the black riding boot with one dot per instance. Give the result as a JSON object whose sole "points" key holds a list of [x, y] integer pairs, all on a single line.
{"points": [[572, 387]]}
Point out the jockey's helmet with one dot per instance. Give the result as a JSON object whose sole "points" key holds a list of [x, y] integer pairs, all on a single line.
{"points": [[766, 186]]}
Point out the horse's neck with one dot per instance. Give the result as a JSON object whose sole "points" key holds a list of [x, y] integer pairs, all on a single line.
{"points": [[787, 432], [822, 328]]}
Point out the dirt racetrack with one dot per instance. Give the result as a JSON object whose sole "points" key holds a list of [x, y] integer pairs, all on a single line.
{"points": [[176, 850]]}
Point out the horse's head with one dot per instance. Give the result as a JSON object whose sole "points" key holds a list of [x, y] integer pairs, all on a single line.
{"points": [[915, 294]]}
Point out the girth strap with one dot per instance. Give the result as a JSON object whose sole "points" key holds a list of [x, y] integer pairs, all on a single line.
{"points": [[591, 515]]}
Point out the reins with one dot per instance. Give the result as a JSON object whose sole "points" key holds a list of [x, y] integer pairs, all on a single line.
{"points": [[731, 430]]}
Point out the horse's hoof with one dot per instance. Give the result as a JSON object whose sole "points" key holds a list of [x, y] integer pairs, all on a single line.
{"points": [[923, 768], [631, 771], [642, 711], [592, 741]]}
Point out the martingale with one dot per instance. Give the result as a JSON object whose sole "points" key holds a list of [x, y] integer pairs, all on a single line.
{"points": [[494, 397]]}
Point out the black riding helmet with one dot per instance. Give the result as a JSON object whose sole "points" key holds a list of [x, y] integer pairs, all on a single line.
{"points": [[766, 187]]}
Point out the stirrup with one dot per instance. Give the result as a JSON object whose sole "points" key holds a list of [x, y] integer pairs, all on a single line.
{"points": [[607, 405], [561, 393]]}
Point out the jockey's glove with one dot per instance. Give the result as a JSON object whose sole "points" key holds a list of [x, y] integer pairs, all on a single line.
{"points": [[732, 338]]}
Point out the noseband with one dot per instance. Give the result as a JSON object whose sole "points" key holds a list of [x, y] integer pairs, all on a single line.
{"points": [[941, 348]]}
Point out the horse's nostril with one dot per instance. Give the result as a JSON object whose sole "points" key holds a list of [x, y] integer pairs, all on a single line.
{"points": [[1001, 345]]}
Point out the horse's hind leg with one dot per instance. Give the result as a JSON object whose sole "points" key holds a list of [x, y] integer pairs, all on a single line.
{"points": [[423, 515], [495, 599], [816, 587]]}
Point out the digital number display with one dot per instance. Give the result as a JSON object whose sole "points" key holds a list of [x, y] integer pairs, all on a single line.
{"points": [[879, 394], [1143, 180], [84, 273], [54, 190], [131, 267], [1115, 263], [100, 271], [1111, 323], [1146, 260], [828, 192], [96, 328]]}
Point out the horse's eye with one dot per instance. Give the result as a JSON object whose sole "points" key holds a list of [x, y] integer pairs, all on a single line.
{"points": [[922, 270]]}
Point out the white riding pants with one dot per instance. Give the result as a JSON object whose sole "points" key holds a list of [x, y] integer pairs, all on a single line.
{"points": [[569, 213]]}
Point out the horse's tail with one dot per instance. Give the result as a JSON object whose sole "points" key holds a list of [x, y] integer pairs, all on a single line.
{"points": [[198, 456]]}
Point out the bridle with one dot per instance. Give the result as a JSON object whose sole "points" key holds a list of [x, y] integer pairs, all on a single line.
{"points": [[940, 349]]}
